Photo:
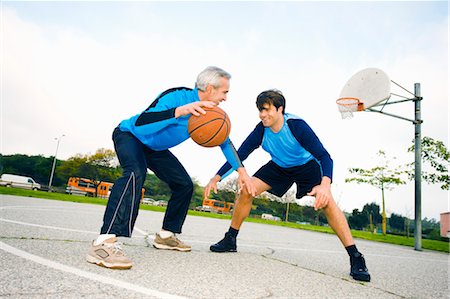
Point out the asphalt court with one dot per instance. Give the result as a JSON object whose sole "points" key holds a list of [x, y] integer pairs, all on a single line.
{"points": [[43, 245]]}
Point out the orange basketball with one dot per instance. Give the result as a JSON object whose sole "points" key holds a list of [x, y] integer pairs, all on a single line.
{"points": [[210, 129]]}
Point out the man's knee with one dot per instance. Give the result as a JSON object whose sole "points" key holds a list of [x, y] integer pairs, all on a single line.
{"points": [[186, 186], [245, 196], [138, 174], [331, 207]]}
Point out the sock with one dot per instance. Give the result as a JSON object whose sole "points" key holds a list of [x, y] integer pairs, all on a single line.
{"points": [[352, 250], [233, 232], [102, 238], [165, 234]]}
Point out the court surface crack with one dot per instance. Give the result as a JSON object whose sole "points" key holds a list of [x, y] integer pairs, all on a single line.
{"points": [[369, 285]]}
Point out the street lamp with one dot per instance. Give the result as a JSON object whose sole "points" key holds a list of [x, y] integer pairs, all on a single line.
{"points": [[54, 164]]}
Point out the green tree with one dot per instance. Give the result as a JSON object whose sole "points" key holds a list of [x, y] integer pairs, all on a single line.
{"points": [[381, 177], [397, 222], [372, 212], [73, 167], [357, 220], [434, 154], [102, 166]]}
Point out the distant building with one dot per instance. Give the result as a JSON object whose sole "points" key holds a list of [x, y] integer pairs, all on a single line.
{"points": [[445, 224]]}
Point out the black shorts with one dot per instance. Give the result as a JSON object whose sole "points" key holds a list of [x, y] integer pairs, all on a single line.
{"points": [[281, 179]]}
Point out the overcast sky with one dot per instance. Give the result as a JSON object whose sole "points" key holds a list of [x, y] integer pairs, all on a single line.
{"points": [[79, 68]]}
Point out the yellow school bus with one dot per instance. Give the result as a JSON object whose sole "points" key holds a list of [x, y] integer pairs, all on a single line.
{"points": [[87, 187]]}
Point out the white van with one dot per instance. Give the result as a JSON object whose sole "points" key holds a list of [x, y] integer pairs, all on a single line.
{"points": [[18, 181]]}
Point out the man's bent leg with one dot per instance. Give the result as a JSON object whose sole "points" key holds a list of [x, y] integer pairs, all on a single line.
{"points": [[338, 223], [123, 203], [167, 168], [241, 210], [243, 204]]}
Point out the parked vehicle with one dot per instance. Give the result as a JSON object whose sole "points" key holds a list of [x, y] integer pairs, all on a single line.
{"points": [[18, 181], [270, 217], [87, 187], [81, 186], [216, 206], [153, 202], [149, 201]]}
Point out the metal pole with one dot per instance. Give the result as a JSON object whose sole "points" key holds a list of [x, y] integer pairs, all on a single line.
{"points": [[54, 164], [417, 169]]}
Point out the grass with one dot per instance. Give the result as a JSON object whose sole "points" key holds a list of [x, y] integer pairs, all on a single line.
{"points": [[391, 239]]}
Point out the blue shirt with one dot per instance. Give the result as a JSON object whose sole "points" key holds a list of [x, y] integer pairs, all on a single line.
{"points": [[284, 149], [159, 129], [294, 145]]}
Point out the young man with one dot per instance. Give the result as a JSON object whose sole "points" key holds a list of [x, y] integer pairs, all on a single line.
{"points": [[298, 157], [142, 142]]}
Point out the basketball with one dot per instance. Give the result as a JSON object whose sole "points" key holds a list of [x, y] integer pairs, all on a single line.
{"points": [[210, 129]]}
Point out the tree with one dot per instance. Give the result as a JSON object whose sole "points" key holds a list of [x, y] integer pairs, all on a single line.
{"points": [[74, 166], [381, 177], [369, 216], [400, 223], [397, 222], [99, 167], [103, 157], [357, 220], [372, 212], [434, 154]]}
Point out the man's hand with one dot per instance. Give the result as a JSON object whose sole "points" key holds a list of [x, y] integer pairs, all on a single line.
{"points": [[212, 185], [194, 108], [322, 193], [245, 181]]}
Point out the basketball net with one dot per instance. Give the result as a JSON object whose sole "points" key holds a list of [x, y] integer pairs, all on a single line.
{"points": [[347, 106]]}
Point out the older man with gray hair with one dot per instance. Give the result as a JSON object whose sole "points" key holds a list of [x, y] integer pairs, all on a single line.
{"points": [[142, 142]]}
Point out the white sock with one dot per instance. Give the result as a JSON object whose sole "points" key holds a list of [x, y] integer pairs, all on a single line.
{"points": [[102, 238], [165, 234]]}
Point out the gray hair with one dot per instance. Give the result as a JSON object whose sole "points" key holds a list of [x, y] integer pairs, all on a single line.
{"points": [[210, 75]]}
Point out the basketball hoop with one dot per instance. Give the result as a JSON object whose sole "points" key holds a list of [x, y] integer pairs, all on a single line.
{"points": [[349, 105]]}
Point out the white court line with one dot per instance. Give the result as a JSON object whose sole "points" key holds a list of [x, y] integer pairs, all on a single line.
{"points": [[54, 227], [43, 208], [85, 274], [61, 228], [46, 226], [144, 233]]}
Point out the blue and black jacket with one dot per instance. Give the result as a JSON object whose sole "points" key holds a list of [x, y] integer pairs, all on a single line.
{"points": [[294, 145], [158, 129]]}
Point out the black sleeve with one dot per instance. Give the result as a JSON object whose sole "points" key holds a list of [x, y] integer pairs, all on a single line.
{"points": [[309, 140]]}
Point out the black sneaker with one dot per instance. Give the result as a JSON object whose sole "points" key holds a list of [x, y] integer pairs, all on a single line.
{"points": [[227, 244], [358, 269]]}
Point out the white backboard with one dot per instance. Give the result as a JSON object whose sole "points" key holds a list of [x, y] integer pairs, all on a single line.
{"points": [[371, 86]]}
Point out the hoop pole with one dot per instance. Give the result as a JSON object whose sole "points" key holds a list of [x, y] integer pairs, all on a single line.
{"points": [[418, 159], [417, 169]]}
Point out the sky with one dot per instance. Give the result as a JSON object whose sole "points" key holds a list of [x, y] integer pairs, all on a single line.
{"points": [[79, 68]]}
